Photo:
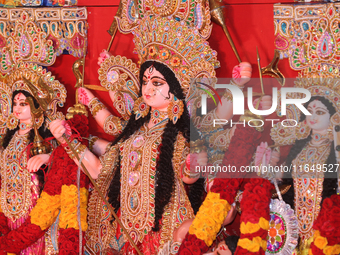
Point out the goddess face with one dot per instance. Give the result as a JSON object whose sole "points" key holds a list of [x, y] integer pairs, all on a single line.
{"points": [[320, 118], [155, 89], [21, 109]]}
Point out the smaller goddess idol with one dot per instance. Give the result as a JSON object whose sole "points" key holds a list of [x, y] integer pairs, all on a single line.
{"points": [[22, 178], [314, 179]]}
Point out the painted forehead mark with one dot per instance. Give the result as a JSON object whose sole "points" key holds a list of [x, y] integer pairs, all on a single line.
{"points": [[150, 71], [17, 97]]}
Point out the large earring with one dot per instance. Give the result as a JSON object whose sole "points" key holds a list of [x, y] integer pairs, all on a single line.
{"points": [[12, 122], [175, 109], [302, 130], [39, 121], [140, 108]]}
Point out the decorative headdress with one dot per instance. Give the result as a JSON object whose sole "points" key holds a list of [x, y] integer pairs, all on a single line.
{"points": [[176, 45], [14, 81], [328, 88], [38, 35], [173, 43], [195, 13]]}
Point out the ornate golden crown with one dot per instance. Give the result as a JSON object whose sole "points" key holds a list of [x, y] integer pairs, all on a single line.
{"points": [[325, 87], [14, 81], [328, 88], [176, 45]]}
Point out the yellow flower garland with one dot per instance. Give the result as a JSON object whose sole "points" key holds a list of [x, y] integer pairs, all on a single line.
{"points": [[253, 245], [69, 202], [46, 210], [251, 228], [321, 242], [209, 218]]}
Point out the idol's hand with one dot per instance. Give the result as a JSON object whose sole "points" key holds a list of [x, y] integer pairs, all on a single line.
{"points": [[230, 216], [34, 163], [202, 158], [274, 158], [84, 96], [242, 73], [180, 233], [58, 128], [102, 56], [265, 103]]}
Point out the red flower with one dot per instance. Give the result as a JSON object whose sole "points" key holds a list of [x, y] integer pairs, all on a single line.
{"points": [[335, 212], [327, 204], [233, 183]]}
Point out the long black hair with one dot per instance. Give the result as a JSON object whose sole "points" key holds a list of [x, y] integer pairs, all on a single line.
{"points": [[330, 181], [44, 132], [165, 176]]}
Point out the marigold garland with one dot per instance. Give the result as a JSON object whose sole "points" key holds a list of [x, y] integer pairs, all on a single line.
{"points": [[46, 210], [209, 218], [69, 202], [251, 228], [253, 245], [254, 217], [239, 153], [326, 238], [61, 183]]}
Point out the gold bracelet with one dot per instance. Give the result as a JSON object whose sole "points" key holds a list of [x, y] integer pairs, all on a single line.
{"points": [[92, 141], [228, 95], [187, 173], [77, 146], [95, 106], [234, 84]]}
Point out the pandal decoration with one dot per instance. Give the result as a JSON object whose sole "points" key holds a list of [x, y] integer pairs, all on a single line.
{"points": [[28, 34], [308, 35], [193, 13], [35, 3]]}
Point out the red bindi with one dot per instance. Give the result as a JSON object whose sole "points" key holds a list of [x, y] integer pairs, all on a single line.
{"points": [[18, 96]]}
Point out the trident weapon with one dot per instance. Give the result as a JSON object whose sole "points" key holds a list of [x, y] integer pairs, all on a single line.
{"points": [[44, 103], [273, 70], [77, 108]]}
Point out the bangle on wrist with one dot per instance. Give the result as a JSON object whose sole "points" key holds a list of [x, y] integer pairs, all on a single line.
{"points": [[95, 106], [77, 146], [92, 141]]}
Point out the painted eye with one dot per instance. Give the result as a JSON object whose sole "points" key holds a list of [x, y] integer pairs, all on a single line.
{"points": [[157, 83], [320, 113]]}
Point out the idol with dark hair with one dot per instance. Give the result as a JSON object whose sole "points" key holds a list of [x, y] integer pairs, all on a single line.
{"points": [[164, 171], [145, 172], [26, 181], [308, 193]]}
